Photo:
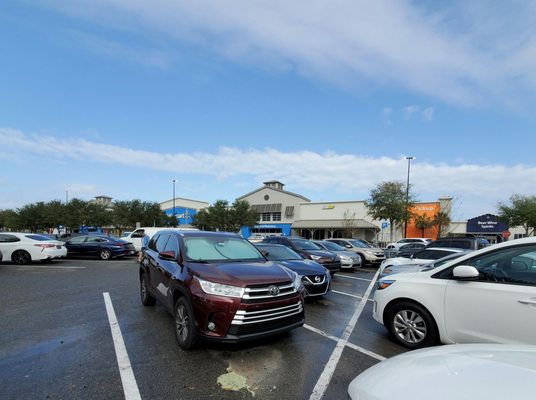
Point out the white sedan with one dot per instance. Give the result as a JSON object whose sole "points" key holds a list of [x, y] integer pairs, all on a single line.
{"points": [[23, 248], [486, 296], [465, 371], [421, 257]]}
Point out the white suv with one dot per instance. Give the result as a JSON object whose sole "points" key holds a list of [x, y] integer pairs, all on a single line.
{"points": [[488, 295]]}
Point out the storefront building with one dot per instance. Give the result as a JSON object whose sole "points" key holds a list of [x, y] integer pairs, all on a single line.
{"points": [[183, 209]]}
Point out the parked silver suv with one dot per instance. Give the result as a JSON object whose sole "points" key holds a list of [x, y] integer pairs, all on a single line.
{"points": [[368, 253]]}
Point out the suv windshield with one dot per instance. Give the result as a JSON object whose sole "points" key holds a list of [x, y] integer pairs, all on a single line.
{"points": [[220, 249], [304, 244]]}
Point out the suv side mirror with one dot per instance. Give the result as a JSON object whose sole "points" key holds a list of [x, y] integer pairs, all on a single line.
{"points": [[465, 273], [168, 255]]}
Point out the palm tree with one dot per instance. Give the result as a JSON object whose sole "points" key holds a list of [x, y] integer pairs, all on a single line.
{"points": [[442, 221], [423, 222]]}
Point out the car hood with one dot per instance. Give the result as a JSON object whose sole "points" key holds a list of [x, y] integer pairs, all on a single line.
{"points": [[473, 371], [241, 273], [304, 267], [405, 261], [346, 253], [319, 253]]}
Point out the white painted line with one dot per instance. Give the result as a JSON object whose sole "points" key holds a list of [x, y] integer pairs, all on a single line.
{"points": [[351, 295], [49, 267], [329, 369], [353, 277], [351, 345], [130, 387]]}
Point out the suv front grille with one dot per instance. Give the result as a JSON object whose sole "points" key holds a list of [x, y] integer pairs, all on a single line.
{"points": [[248, 322], [269, 292]]}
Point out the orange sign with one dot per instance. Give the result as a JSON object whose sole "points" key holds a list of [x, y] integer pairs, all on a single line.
{"points": [[428, 209]]}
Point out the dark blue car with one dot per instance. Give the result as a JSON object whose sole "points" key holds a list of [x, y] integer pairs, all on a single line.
{"points": [[315, 278], [105, 247]]}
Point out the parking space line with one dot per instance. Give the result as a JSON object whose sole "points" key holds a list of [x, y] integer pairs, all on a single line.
{"points": [[48, 267], [130, 387], [351, 345], [351, 295], [353, 277], [329, 369]]}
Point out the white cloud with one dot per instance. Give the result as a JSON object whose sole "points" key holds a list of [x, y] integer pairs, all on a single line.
{"points": [[302, 169], [452, 52], [428, 114], [410, 110]]}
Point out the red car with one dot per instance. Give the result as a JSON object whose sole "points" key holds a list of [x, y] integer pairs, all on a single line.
{"points": [[218, 286]]}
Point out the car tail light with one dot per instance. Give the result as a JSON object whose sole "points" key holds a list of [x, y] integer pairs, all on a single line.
{"points": [[45, 246]]}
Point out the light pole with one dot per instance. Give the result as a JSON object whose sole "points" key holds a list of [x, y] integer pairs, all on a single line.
{"points": [[407, 197], [174, 219]]}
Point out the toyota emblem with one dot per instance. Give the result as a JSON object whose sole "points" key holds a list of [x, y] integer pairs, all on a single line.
{"points": [[317, 279], [273, 290]]}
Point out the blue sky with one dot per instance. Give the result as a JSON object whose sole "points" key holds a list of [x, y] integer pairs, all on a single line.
{"points": [[119, 97]]}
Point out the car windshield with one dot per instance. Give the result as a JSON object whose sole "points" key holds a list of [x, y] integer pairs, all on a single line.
{"points": [[359, 243], [333, 246], [304, 244], [208, 249], [280, 253]]}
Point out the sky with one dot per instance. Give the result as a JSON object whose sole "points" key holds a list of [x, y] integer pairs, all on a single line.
{"points": [[120, 97]]}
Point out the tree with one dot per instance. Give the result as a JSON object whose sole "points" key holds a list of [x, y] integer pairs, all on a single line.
{"points": [[388, 201], [423, 222], [348, 224], [442, 221], [222, 217], [241, 214], [520, 212]]}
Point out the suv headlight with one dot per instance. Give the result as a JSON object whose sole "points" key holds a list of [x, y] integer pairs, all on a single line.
{"points": [[220, 289], [313, 257]]}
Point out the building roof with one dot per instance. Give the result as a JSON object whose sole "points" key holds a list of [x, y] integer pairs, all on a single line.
{"points": [[275, 189], [334, 223]]}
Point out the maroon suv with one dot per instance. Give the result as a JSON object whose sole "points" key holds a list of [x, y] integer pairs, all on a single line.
{"points": [[218, 286]]}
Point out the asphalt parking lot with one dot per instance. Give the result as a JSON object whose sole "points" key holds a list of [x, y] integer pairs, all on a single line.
{"points": [[58, 336]]}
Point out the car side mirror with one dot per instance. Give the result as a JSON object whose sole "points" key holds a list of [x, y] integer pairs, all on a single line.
{"points": [[168, 255], [465, 273], [348, 246]]}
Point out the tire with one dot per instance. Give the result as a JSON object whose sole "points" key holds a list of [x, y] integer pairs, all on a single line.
{"points": [[411, 325], [184, 324], [105, 254], [146, 298], [363, 261], [21, 257]]}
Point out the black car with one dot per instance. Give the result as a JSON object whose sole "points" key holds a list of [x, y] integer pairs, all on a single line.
{"points": [[105, 247], [315, 278], [308, 250], [454, 242]]}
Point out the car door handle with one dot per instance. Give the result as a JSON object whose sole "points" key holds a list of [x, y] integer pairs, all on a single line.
{"points": [[527, 302]]}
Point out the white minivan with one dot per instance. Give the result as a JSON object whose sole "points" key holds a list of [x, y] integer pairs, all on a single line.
{"points": [[135, 236]]}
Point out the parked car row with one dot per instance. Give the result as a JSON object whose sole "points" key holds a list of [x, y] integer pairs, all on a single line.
{"points": [[23, 248]]}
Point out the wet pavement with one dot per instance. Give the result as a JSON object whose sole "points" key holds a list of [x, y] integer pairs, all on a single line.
{"points": [[57, 343]]}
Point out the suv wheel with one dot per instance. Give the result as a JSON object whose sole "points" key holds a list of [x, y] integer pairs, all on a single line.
{"points": [[184, 324], [411, 325], [146, 298]]}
